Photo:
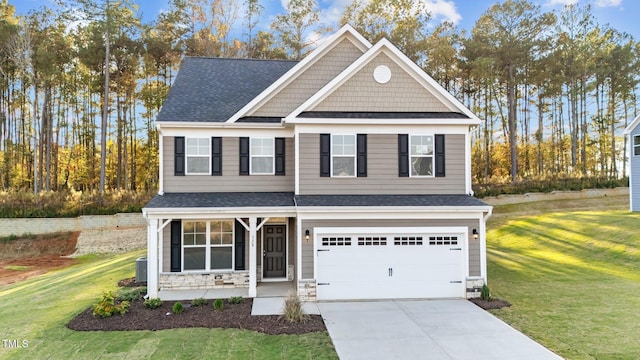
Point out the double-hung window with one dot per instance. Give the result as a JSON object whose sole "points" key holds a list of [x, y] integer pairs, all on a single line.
{"points": [[207, 245], [421, 155], [262, 156], [343, 155], [636, 145], [198, 156]]}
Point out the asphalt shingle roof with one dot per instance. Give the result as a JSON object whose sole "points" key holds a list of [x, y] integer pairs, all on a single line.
{"points": [[222, 200], [213, 89], [286, 199]]}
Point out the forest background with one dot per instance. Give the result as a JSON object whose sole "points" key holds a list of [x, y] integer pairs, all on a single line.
{"points": [[81, 82]]}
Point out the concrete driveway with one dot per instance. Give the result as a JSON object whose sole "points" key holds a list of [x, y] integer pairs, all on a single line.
{"points": [[424, 329]]}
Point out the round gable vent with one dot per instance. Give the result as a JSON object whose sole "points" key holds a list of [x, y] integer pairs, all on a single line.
{"points": [[382, 74]]}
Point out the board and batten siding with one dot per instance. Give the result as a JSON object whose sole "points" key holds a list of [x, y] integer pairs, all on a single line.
{"points": [[382, 170], [634, 181], [230, 181], [311, 80], [308, 257], [402, 93]]}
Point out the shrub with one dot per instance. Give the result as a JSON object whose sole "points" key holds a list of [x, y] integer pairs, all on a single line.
{"points": [[152, 303], [107, 306], [293, 311], [131, 294], [199, 302], [178, 308], [485, 293], [236, 300], [218, 305]]}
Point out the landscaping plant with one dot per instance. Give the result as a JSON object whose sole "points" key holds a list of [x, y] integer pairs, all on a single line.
{"points": [[152, 303], [131, 294], [293, 311], [107, 306], [178, 308], [218, 305], [485, 293], [236, 300], [198, 302]]}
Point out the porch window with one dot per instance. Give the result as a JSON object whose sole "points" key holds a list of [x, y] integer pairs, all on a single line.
{"points": [[207, 245], [262, 156], [421, 155], [198, 156], [636, 145], [343, 155]]}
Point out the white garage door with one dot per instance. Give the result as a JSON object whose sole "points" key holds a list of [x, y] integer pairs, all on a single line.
{"points": [[386, 263]]}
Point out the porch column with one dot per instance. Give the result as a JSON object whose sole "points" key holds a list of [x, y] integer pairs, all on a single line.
{"points": [[152, 258], [483, 248], [252, 257]]}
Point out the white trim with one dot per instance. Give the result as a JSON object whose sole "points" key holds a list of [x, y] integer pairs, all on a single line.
{"points": [[631, 186], [381, 121], [298, 270], [483, 247], [164, 125], [213, 131], [164, 224], [152, 259], [296, 153], [401, 60], [218, 213], [273, 155], [286, 254], [252, 258], [207, 246], [385, 129], [187, 156], [467, 164], [630, 127], [360, 42], [355, 156], [160, 163], [433, 156]]}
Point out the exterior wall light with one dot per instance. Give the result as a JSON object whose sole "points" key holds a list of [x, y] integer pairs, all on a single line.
{"points": [[306, 235], [475, 234]]}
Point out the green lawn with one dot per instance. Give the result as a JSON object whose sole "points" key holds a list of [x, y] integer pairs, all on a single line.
{"points": [[573, 277], [38, 309]]}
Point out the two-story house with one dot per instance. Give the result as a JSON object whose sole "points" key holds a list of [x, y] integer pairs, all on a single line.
{"points": [[347, 173]]}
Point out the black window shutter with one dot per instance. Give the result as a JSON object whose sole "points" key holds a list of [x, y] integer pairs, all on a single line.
{"points": [[216, 156], [240, 245], [362, 155], [403, 155], [176, 246], [439, 144], [325, 155], [244, 156], [178, 152], [280, 150]]}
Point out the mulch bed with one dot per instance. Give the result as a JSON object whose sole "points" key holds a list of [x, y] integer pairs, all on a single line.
{"points": [[492, 304], [236, 316]]}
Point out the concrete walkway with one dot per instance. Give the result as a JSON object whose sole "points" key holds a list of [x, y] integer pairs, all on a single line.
{"points": [[275, 306], [424, 329]]}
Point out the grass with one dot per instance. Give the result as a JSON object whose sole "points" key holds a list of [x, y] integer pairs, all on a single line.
{"points": [[18, 267], [37, 310], [573, 276]]}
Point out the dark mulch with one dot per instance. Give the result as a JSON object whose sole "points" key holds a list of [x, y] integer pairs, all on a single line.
{"points": [[131, 282], [492, 304], [237, 316]]}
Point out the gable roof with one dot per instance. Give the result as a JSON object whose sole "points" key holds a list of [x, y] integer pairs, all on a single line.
{"points": [[213, 89], [384, 46], [631, 126]]}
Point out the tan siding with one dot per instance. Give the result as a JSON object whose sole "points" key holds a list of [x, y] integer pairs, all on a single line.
{"points": [[230, 181], [474, 245], [311, 80], [362, 93], [382, 173], [166, 248]]}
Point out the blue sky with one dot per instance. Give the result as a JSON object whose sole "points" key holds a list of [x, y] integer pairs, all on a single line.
{"points": [[620, 14]]}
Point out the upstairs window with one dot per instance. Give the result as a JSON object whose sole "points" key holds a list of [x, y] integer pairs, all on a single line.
{"points": [[636, 145], [343, 155], [198, 156], [421, 155], [262, 156]]}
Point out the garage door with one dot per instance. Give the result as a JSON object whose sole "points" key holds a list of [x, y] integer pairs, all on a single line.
{"points": [[384, 263]]}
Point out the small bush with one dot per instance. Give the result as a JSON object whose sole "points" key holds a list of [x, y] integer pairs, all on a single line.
{"points": [[485, 293], [218, 305], [131, 294], [293, 311], [236, 300], [199, 302], [152, 303], [107, 306], [178, 308]]}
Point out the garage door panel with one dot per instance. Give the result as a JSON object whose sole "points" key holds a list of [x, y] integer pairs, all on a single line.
{"points": [[384, 266]]}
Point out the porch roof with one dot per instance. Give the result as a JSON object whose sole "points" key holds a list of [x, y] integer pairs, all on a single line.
{"points": [[222, 200], [389, 200]]}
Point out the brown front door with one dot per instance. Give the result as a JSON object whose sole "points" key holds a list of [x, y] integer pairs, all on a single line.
{"points": [[275, 242]]}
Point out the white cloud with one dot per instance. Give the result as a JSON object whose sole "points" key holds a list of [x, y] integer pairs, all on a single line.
{"points": [[443, 10], [561, 2], [607, 3]]}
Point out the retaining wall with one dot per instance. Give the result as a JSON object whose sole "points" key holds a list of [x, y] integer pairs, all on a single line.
{"points": [[82, 223], [555, 195]]}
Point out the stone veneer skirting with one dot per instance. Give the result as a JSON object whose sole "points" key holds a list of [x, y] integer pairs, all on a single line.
{"points": [[181, 281], [474, 286], [307, 290]]}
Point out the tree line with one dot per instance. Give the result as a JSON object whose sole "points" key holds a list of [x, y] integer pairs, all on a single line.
{"points": [[82, 81]]}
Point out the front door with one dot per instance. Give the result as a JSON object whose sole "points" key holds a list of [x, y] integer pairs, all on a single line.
{"points": [[275, 250]]}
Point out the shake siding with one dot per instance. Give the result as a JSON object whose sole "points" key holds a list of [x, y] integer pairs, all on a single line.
{"points": [[362, 93], [307, 248], [310, 81], [635, 174], [382, 176], [230, 181]]}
